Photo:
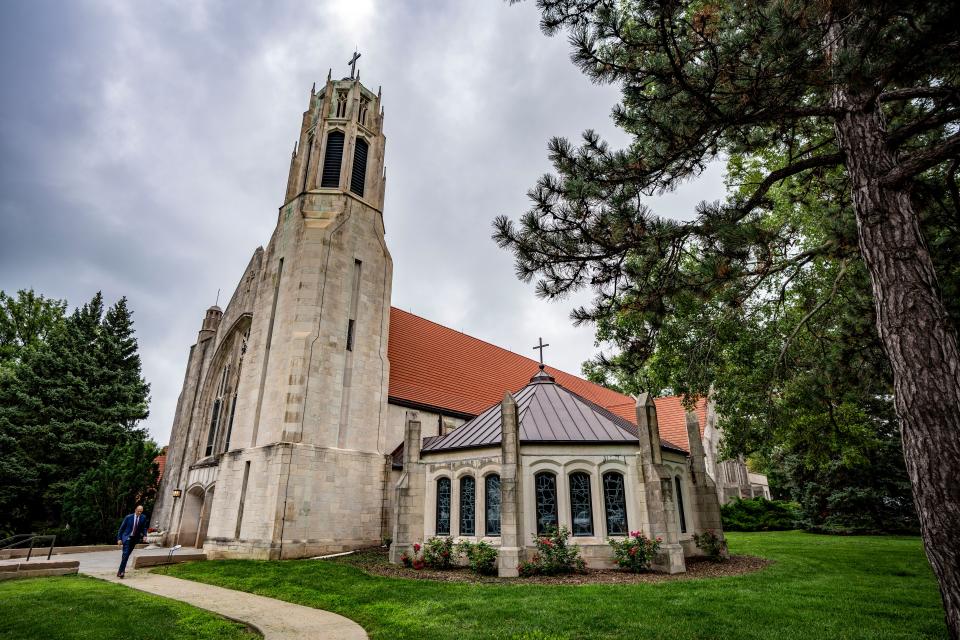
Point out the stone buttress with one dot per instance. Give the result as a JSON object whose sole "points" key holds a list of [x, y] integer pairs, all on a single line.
{"points": [[660, 510]]}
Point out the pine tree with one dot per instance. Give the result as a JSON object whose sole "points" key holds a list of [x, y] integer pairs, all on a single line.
{"points": [[109, 488], [71, 400], [871, 90]]}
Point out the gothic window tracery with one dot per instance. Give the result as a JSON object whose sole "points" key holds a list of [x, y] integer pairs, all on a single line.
{"points": [[545, 486], [341, 104], [615, 503], [236, 386], [581, 509], [443, 506], [216, 412], [468, 506], [492, 504]]}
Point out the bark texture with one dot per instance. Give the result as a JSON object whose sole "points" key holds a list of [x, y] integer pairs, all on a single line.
{"points": [[916, 333]]}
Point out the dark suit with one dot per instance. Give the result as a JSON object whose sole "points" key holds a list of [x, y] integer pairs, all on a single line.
{"points": [[132, 530]]}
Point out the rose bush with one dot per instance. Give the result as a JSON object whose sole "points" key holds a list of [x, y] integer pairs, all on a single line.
{"points": [[635, 552]]}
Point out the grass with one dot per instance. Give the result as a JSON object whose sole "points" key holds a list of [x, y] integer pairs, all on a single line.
{"points": [[78, 607], [819, 587]]}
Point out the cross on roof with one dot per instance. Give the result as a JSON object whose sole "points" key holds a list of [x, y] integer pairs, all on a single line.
{"points": [[540, 347], [353, 63]]}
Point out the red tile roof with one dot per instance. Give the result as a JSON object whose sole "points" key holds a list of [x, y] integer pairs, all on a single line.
{"points": [[161, 462], [434, 366]]}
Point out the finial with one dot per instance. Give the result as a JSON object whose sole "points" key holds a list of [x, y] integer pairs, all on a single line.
{"points": [[329, 73], [313, 89], [218, 298], [295, 143], [379, 91]]}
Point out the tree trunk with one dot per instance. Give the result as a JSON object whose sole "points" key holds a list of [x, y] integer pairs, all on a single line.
{"points": [[916, 333]]}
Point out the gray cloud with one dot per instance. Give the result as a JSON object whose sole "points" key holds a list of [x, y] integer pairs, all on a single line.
{"points": [[144, 150]]}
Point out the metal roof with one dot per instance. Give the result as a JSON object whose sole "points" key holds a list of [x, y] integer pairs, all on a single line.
{"points": [[549, 413]]}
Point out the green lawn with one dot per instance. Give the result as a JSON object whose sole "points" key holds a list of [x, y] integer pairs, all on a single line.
{"points": [[78, 607], [819, 587]]}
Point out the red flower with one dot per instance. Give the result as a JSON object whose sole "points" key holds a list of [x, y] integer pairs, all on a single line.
{"points": [[633, 551], [416, 548], [659, 539]]}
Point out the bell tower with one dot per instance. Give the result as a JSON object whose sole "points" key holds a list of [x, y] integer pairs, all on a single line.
{"points": [[308, 471], [341, 143]]}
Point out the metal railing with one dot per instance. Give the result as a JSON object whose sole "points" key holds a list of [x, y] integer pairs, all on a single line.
{"points": [[15, 542]]}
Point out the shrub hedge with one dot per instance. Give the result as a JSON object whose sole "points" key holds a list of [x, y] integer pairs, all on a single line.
{"points": [[760, 514]]}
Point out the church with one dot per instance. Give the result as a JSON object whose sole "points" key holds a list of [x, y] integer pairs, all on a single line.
{"points": [[316, 418]]}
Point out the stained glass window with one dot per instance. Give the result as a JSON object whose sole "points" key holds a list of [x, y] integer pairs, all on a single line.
{"points": [[545, 485], [581, 511], [468, 506], [492, 506], [683, 516], [443, 507], [615, 503]]}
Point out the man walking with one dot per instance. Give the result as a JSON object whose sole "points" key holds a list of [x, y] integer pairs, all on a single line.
{"points": [[133, 529]]}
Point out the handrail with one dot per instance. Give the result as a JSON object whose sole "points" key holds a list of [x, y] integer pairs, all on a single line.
{"points": [[32, 538], [23, 537]]}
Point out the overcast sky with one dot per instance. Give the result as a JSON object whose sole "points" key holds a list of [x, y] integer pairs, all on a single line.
{"points": [[144, 149]]}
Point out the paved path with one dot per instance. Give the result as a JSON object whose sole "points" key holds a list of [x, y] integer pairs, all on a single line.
{"points": [[277, 620]]}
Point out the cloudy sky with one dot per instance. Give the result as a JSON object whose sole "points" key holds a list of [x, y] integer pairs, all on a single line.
{"points": [[144, 149]]}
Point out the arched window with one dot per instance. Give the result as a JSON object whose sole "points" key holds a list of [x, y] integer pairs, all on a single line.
{"points": [[362, 114], [492, 504], [233, 405], [581, 509], [341, 104], [216, 412], [359, 176], [683, 516], [468, 506], [545, 486], [615, 503], [332, 159], [306, 169], [443, 507]]}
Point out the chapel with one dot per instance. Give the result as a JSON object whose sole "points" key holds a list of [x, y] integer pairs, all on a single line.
{"points": [[316, 418]]}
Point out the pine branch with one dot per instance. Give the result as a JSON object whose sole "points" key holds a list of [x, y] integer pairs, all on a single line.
{"points": [[920, 161], [918, 92]]}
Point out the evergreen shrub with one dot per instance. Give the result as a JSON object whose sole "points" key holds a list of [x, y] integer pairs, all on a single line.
{"points": [[759, 514]]}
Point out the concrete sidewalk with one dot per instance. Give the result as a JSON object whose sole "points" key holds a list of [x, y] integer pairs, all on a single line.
{"points": [[275, 619]]}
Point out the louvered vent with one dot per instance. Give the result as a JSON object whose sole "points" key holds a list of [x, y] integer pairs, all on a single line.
{"points": [[332, 160], [359, 176]]}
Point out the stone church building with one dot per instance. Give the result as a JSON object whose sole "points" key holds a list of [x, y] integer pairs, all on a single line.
{"points": [[316, 418]]}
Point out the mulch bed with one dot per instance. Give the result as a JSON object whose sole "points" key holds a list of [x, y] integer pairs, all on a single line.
{"points": [[374, 561]]}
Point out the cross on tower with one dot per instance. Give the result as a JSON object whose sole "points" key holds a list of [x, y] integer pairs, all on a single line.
{"points": [[353, 63], [540, 347]]}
